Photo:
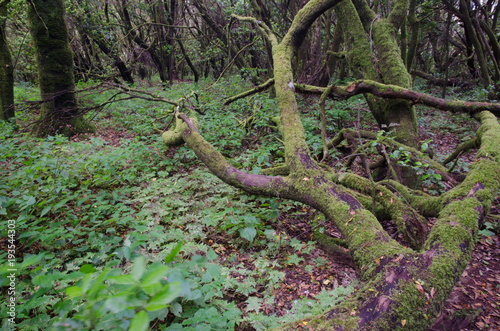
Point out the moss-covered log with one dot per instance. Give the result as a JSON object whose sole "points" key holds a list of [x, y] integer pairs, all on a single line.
{"points": [[55, 70], [409, 289], [399, 286]]}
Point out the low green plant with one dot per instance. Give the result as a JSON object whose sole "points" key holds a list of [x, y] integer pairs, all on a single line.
{"points": [[301, 309]]}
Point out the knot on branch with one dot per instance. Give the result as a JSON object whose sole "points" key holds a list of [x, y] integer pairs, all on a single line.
{"points": [[173, 137]]}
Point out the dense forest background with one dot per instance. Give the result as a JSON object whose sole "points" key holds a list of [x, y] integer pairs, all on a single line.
{"points": [[250, 164]]}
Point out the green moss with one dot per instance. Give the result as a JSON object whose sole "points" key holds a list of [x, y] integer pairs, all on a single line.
{"points": [[390, 62], [6, 71], [173, 137], [409, 307], [359, 55], [55, 70]]}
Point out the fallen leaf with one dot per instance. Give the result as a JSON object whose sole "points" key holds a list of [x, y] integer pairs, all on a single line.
{"points": [[403, 322], [420, 288], [351, 88]]}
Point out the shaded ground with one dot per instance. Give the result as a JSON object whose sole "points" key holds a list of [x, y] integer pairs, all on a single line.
{"points": [[474, 303]]}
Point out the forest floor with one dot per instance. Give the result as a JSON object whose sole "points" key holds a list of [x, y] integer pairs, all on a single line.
{"points": [[474, 303], [161, 196]]}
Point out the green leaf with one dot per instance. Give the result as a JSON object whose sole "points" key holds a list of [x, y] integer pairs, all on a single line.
{"points": [[123, 280], [256, 170], [74, 292], [167, 294], [253, 303], [122, 302], [45, 211], [211, 255], [170, 257], [155, 275], [60, 204], [138, 268], [45, 280], [31, 201], [140, 322], [248, 233], [176, 309], [31, 259], [87, 269]]}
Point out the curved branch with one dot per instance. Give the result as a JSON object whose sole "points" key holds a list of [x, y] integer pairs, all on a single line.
{"points": [[396, 92], [306, 16], [253, 91], [463, 147], [218, 165]]}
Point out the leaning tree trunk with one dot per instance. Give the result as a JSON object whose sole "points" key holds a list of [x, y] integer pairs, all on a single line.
{"points": [[373, 53], [400, 286], [55, 70], [6, 70]]}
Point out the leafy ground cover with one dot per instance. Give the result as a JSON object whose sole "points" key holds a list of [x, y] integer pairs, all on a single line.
{"points": [[114, 230]]}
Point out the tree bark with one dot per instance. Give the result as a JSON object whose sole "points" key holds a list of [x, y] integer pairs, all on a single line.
{"points": [[55, 70], [399, 286], [188, 61], [472, 35], [7, 110]]}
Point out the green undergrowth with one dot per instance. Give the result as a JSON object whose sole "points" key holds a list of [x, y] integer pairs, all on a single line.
{"points": [[128, 234], [116, 231]]}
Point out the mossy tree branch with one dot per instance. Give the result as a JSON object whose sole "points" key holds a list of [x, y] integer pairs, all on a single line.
{"points": [[397, 92], [397, 282], [253, 91]]}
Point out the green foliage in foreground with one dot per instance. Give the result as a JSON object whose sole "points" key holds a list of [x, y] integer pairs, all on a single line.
{"points": [[99, 227]]}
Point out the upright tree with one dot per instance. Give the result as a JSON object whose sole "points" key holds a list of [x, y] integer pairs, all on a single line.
{"points": [[55, 70], [6, 69]]}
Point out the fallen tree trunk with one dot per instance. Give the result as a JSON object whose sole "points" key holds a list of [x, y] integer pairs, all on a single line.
{"points": [[399, 286]]}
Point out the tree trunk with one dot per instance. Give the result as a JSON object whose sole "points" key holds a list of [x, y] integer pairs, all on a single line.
{"points": [[388, 67], [471, 33], [221, 35], [125, 72], [414, 27], [55, 70], [6, 70], [399, 286], [154, 50], [188, 61]]}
